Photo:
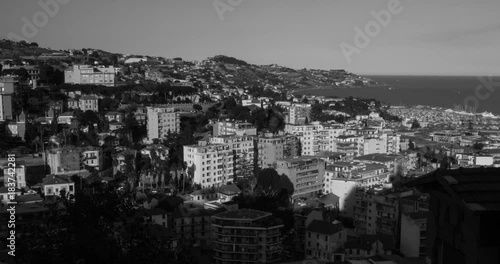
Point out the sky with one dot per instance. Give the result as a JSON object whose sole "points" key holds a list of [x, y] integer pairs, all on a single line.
{"points": [[422, 37]]}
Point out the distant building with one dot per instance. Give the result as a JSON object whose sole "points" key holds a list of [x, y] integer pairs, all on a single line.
{"points": [[368, 246], [246, 235], [232, 127], [323, 239], [306, 174], [161, 121], [275, 147], [83, 74], [299, 114], [7, 89], [88, 102], [54, 184]]}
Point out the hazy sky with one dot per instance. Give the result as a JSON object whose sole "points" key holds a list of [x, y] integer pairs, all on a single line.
{"points": [[438, 37]]}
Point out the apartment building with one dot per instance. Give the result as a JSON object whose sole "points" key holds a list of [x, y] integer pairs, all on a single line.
{"points": [[371, 145], [88, 102], [213, 163], [229, 127], [161, 120], [414, 234], [274, 147], [84, 74], [243, 148], [306, 175], [20, 174], [324, 239], [343, 179], [376, 211], [246, 236], [299, 114], [349, 144], [193, 225], [7, 88], [393, 143]]}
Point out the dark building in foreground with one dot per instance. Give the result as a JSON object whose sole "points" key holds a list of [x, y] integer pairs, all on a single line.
{"points": [[464, 219], [246, 236]]}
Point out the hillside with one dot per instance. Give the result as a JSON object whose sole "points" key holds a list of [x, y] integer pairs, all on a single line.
{"points": [[217, 70]]}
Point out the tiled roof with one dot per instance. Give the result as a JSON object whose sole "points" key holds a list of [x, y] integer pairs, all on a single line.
{"points": [[323, 227], [476, 188], [56, 179]]}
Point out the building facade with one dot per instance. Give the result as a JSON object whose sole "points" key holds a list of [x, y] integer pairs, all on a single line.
{"points": [[84, 74], [161, 121], [246, 236], [306, 175]]}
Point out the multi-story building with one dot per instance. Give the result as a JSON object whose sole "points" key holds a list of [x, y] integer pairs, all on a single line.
{"points": [[193, 225], [246, 236], [88, 102], [213, 163], [84, 74], [299, 114], [371, 145], [393, 143], [274, 147], [324, 239], [228, 127], [447, 137], [414, 234], [243, 148], [20, 174], [92, 157], [464, 213], [306, 175], [161, 121], [349, 144], [7, 87], [343, 178], [376, 212]]}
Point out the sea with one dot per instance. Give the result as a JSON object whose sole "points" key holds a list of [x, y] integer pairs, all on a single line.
{"points": [[458, 93]]}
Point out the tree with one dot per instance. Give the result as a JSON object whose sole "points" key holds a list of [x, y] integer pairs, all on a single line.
{"points": [[197, 107], [415, 124], [87, 118], [478, 146]]}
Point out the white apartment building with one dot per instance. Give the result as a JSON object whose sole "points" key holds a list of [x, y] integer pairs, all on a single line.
{"points": [[298, 114], [275, 147], [244, 152], [84, 74], [213, 163], [342, 179], [232, 127], [371, 145], [306, 175], [161, 120]]}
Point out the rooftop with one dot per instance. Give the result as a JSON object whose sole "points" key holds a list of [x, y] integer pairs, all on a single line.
{"points": [[476, 188], [243, 214]]}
